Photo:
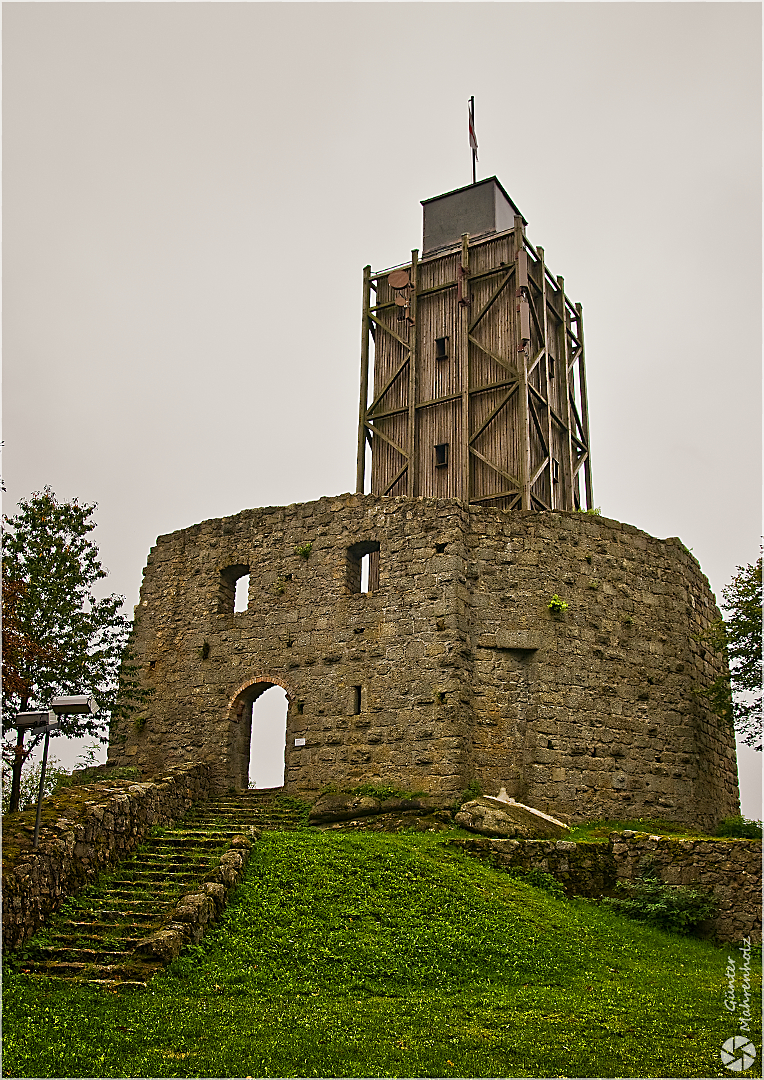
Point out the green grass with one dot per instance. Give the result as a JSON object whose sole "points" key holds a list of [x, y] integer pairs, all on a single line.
{"points": [[369, 954], [600, 830]]}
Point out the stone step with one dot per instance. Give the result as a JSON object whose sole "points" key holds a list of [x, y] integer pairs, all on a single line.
{"points": [[57, 969], [152, 859], [101, 956], [78, 928], [157, 861], [176, 872], [216, 833], [156, 877], [235, 808], [144, 890], [149, 871], [184, 846], [150, 886], [93, 941], [125, 914], [120, 984], [126, 902]]}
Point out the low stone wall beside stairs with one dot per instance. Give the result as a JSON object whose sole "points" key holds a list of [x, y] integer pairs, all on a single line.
{"points": [[107, 823], [730, 869], [165, 895], [195, 911]]}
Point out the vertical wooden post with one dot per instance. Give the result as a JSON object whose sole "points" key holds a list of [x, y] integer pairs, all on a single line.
{"points": [[522, 365], [548, 383], [584, 409], [463, 355], [412, 440], [570, 502], [361, 453]]}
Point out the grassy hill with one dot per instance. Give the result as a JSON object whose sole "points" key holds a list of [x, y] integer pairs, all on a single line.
{"points": [[367, 954]]}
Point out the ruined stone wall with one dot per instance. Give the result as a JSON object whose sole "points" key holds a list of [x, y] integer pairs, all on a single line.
{"points": [[730, 869], [463, 670], [603, 716]]}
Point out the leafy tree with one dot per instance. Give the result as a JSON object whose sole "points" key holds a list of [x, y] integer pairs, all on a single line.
{"points": [[60, 638], [740, 635], [55, 773]]}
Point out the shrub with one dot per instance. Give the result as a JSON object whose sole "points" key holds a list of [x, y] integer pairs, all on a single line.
{"points": [[374, 791], [676, 908], [384, 791], [304, 550], [557, 605], [539, 879], [472, 791], [740, 827]]}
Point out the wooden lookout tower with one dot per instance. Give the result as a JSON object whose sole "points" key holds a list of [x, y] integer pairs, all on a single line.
{"points": [[473, 385]]}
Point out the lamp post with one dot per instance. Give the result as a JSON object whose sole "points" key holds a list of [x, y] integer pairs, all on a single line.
{"points": [[47, 721]]}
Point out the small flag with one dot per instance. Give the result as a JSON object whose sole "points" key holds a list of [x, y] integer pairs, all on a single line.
{"points": [[473, 137]]}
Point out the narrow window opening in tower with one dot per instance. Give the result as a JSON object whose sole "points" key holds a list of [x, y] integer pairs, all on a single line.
{"points": [[555, 471], [268, 739], [355, 701], [441, 455], [231, 591], [551, 367], [241, 596], [441, 348], [365, 573]]}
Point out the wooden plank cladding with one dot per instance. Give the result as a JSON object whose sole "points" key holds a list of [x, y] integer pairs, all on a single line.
{"points": [[473, 384]]}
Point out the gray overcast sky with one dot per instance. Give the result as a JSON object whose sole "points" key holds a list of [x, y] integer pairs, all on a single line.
{"points": [[192, 190]]}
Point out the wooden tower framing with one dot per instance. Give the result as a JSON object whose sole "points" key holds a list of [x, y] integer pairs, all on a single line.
{"points": [[474, 357]]}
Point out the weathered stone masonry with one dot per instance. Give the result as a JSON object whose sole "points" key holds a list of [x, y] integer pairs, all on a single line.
{"points": [[453, 667], [730, 869]]}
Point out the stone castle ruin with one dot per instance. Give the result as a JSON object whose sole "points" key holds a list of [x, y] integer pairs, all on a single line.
{"points": [[465, 620]]}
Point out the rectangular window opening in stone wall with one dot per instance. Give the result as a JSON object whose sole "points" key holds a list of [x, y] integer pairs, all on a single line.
{"points": [[233, 589], [355, 700], [363, 567]]}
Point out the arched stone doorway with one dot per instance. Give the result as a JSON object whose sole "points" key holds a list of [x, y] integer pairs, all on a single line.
{"points": [[258, 733]]}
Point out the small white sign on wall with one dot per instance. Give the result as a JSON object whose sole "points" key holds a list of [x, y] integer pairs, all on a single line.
{"points": [[299, 742]]}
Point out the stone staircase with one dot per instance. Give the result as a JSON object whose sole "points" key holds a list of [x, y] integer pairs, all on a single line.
{"points": [[92, 938]]}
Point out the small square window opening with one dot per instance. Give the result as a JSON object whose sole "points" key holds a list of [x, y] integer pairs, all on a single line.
{"points": [[363, 567], [441, 455]]}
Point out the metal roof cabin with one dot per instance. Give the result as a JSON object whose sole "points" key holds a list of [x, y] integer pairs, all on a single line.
{"points": [[473, 383], [477, 209]]}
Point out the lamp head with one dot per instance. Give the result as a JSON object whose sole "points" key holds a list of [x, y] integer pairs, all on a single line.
{"points": [[74, 704], [27, 720]]}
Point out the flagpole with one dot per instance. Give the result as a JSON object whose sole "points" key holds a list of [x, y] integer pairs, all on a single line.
{"points": [[474, 151]]}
